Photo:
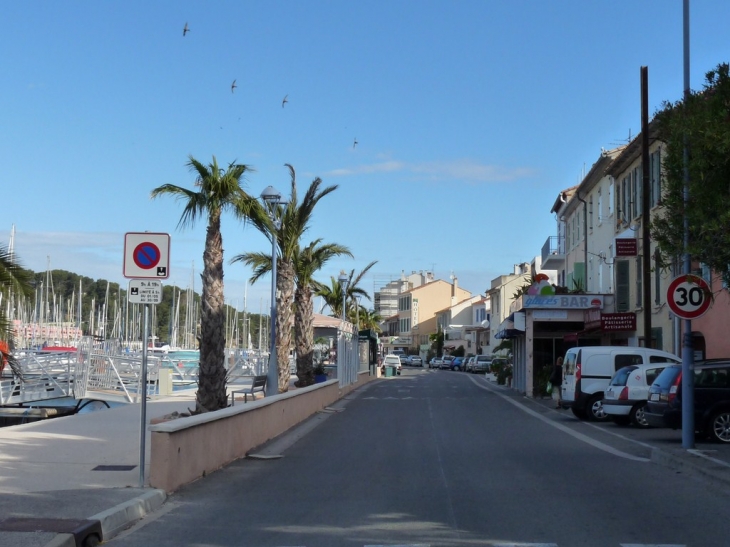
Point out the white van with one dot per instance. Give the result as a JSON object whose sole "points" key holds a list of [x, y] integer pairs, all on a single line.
{"points": [[587, 372]]}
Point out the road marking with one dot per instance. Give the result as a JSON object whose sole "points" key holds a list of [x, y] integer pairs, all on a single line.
{"points": [[580, 436]]}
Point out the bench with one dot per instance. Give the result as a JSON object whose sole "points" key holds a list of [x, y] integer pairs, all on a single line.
{"points": [[258, 385]]}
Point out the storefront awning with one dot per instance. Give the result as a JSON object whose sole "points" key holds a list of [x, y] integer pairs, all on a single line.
{"points": [[512, 327]]}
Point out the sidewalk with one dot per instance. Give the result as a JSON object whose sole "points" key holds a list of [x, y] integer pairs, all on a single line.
{"points": [[708, 459], [79, 467]]}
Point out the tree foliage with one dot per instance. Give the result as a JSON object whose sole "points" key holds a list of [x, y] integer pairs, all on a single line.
{"points": [[701, 122]]}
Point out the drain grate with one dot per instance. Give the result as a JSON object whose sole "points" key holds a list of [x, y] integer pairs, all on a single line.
{"points": [[114, 467]]}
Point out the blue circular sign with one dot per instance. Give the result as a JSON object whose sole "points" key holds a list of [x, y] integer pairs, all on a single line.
{"points": [[146, 255]]}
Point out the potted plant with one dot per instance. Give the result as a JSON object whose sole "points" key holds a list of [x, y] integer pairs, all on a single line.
{"points": [[320, 374]]}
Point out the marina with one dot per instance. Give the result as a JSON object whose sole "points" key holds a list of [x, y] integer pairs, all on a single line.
{"points": [[59, 380]]}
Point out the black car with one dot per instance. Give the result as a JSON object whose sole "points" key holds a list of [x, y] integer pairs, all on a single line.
{"points": [[711, 399]]}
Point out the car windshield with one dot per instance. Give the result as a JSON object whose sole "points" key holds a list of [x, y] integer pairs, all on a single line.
{"points": [[621, 376]]}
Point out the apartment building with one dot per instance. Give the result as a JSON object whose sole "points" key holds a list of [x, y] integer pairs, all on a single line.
{"points": [[417, 308], [385, 300]]}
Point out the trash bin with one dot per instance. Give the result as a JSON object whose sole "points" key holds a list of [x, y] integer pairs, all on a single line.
{"points": [[389, 371]]}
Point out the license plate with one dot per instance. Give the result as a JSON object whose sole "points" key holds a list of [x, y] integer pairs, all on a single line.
{"points": [[654, 397]]}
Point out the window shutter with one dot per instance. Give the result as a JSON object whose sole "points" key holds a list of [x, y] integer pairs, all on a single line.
{"points": [[623, 287]]}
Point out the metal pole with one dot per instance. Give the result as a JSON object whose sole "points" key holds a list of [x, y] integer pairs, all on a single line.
{"points": [[272, 381], [143, 406], [645, 207], [688, 398], [345, 370]]}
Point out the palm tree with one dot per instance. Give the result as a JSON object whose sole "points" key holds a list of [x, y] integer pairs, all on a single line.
{"points": [[307, 262], [332, 294], [370, 319], [218, 190], [295, 219], [14, 281]]}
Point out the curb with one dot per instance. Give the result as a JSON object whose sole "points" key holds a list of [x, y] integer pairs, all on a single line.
{"points": [[118, 518], [695, 462]]}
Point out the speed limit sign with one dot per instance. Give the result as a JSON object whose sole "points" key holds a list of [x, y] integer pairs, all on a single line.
{"points": [[689, 296]]}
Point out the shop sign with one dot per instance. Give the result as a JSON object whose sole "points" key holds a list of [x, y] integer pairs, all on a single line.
{"points": [[564, 301], [626, 246], [612, 322]]}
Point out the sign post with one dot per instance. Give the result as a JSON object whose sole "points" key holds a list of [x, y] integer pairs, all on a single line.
{"points": [[146, 261]]}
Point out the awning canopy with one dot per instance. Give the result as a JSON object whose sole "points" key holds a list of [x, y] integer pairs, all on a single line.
{"points": [[512, 327]]}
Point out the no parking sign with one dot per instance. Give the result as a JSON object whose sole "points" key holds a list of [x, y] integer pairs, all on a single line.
{"points": [[146, 255]]}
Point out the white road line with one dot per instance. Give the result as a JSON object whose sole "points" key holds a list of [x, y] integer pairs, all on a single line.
{"points": [[580, 436]]}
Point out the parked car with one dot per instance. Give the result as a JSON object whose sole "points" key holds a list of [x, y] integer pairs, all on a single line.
{"points": [[624, 400], [392, 360], [415, 361], [482, 364], [711, 399], [469, 364], [588, 370], [457, 363], [446, 362]]}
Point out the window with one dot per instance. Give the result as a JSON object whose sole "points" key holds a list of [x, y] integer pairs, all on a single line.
{"points": [[706, 274], [610, 197], [599, 206], [655, 165], [590, 213], [657, 278], [623, 289], [626, 360], [639, 277], [637, 185]]}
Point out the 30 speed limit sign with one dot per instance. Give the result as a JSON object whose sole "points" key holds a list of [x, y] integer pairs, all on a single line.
{"points": [[689, 296]]}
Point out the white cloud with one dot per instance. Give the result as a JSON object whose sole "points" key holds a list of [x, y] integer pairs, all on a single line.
{"points": [[462, 170]]}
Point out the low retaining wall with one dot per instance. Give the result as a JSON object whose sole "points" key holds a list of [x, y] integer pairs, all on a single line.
{"points": [[185, 449]]}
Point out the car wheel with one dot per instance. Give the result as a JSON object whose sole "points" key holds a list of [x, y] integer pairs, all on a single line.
{"points": [[595, 409], [637, 416], [720, 426], [456, 368]]}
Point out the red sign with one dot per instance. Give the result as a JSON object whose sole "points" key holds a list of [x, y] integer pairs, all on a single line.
{"points": [[689, 296], [626, 246]]}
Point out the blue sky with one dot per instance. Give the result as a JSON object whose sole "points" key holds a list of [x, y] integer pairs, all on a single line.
{"points": [[470, 117]]}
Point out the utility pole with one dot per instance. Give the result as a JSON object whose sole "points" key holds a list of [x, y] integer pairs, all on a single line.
{"points": [[645, 206]]}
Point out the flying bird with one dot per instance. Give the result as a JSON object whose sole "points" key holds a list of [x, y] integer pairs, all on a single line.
{"points": [[285, 100], [186, 29], [233, 86], [354, 144]]}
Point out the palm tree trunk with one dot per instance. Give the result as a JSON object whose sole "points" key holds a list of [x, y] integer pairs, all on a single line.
{"points": [[304, 335], [284, 318], [211, 393]]}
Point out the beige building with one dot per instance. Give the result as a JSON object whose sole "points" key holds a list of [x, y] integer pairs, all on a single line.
{"points": [[417, 308]]}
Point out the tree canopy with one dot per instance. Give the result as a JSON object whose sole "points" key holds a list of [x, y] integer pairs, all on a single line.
{"points": [[701, 122]]}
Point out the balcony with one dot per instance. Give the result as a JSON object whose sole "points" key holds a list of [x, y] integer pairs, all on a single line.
{"points": [[553, 253]]}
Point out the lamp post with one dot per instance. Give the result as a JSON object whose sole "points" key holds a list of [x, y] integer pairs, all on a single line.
{"points": [[341, 350], [272, 197]]}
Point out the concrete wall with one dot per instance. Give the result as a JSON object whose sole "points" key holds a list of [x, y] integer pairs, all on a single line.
{"points": [[185, 449]]}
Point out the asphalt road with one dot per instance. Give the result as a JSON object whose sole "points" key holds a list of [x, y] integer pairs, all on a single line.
{"points": [[441, 458]]}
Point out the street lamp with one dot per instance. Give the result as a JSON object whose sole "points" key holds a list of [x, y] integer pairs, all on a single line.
{"points": [[343, 285], [272, 198], [341, 350]]}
